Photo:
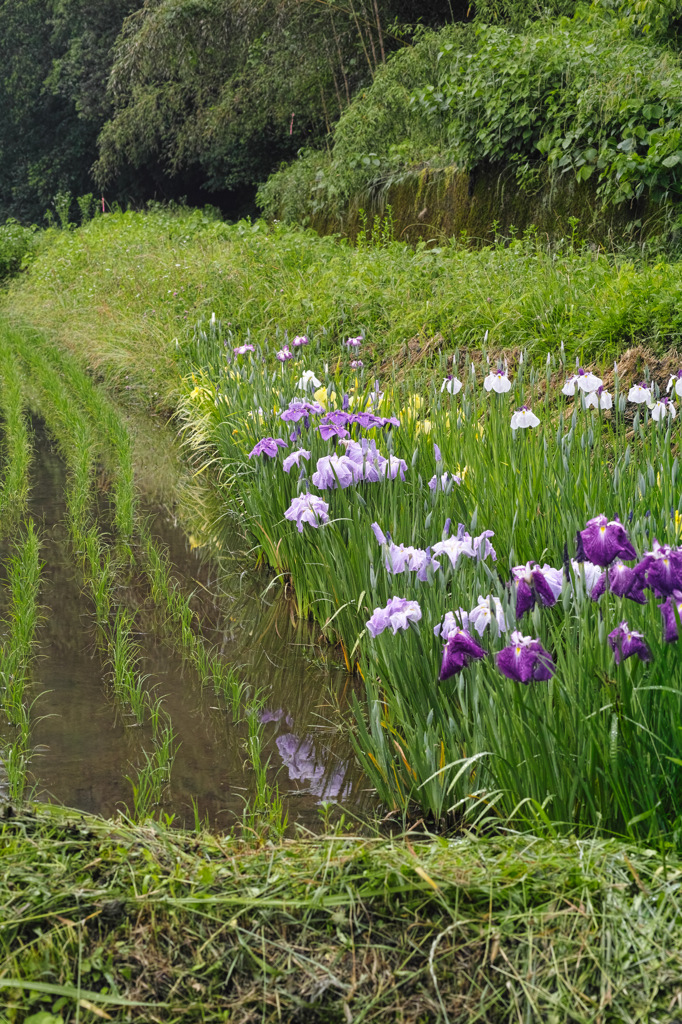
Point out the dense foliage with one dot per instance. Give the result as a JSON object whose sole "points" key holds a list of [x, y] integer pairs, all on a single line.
{"points": [[191, 97], [595, 95]]}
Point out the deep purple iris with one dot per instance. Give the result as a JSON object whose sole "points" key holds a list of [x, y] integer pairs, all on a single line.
{"points": [[525, 659], [460, 649], [604, 540], [533, 583], [623, 582], [668, 609], [661, 570], [267, 446], [626, 642]]}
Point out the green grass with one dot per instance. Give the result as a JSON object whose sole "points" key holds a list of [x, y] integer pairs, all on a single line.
{"points": [[147, 924], [125, 291]]}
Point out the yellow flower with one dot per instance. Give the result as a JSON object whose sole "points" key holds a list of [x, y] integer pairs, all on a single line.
{"points": [[678, 525], [424, 426], [321, 396]]}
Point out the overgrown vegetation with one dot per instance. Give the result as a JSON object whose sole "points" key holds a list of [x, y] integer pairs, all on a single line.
{"points": [[593, 96]]}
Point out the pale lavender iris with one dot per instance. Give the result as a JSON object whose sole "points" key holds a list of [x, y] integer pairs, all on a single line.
{"points": [[241, 350], [354, 342], [626, 642], [391, 467], [399, 558], [603, 540], [295, 459], [308, 508], [487, 609], [379, 534], [444, 480], [267, 446], [335, 471], [284, 354], [299, 340], [589, 572], [462, 543], [623, 582], [525, 660], [459, 651], [671, 611], [452, 621], [535, 584], [356, 364], [398, 614], [299, 409]]}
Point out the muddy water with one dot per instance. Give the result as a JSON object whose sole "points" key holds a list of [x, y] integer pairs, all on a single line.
{"points": [[84, 747]]}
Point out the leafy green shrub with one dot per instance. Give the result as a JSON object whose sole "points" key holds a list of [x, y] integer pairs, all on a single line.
{"points": [[597, 96], [17, 243]]}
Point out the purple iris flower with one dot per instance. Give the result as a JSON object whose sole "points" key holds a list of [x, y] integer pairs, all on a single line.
{"points": [[459, 651], [625, 642], [397, 614], [661, 569], [623, 582], [533, 583], [356, 364], [353, 342], [308, 508], [525, 659], [300, 339], [284, 354], [241, 350], [437, 454], [667, 610], [452, 622], [267, 446], [295, 459], [329, 430], [298, 409], [603, 540]]}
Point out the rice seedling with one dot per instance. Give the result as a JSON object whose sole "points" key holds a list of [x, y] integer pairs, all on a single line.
{"points": [[264, 812], [152, 776]]}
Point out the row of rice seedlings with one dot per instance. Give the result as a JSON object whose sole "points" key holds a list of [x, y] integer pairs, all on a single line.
{"points": [[16, 651], [264, 812], [117, 449], [153, 775], [186, 631], [117, 454], [17, 445]]}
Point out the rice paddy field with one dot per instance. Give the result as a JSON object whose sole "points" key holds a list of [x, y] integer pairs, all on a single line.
{"points": [[340, 629]]}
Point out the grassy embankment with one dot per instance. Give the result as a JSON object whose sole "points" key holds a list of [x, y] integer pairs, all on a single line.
{"points": [[106, 294]]}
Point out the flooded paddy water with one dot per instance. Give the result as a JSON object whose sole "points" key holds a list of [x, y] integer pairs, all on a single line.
{"points": [[84, 749]]}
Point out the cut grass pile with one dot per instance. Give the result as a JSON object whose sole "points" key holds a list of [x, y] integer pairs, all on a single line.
{"points": [[198, 927]]}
